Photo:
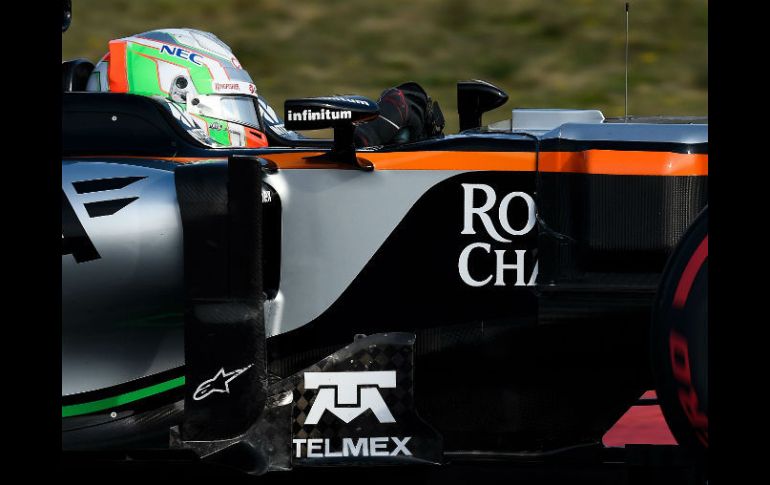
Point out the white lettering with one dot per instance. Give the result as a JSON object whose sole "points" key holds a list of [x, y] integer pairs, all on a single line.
{"points": [[361, 447], [400, 446], [298, 443], [349, 100], [480, 209], [314, 448], [378, 446], [503, 213], [481, 212], [332, 454], [320, 115], [364, 447], [462, 264], [518, 267]]}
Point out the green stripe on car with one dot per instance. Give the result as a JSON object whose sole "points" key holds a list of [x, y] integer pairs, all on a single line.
{"points": [[119, 400]]}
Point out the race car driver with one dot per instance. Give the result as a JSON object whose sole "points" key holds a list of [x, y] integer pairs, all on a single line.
{"points": [[199, 79]]}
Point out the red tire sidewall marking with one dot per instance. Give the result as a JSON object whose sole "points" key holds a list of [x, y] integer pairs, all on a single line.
{"points": [[688, 398], [679, 348]]}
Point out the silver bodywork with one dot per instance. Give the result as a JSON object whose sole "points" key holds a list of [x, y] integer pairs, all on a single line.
{"points": [[548, 119], [590, 125], [632, 132], [118, 311], [333, 222], [343, 215]]}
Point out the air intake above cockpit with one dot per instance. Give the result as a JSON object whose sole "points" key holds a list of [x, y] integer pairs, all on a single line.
{"points": [[548, 119]]}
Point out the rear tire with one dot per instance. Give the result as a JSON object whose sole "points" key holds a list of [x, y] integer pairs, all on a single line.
{"points": [[680, 339]]}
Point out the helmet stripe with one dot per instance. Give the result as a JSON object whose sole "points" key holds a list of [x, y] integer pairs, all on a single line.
{"points": [[117, 74]]}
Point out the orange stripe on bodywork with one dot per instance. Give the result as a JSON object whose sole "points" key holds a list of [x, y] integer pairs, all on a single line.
{"points": [[499, 161], [607, 162], [439, 160], [305, 160], [615, 162], [116, 72], [597, 162]]}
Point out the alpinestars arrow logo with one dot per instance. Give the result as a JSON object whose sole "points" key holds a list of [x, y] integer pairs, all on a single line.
{"points": [[219, 383]]}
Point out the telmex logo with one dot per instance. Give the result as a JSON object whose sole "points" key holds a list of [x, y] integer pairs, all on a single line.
{"points": [[366, 447], [344, 395], [180, 53]]}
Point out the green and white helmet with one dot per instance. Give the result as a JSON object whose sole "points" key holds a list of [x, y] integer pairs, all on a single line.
{"points": [[194, 74]]}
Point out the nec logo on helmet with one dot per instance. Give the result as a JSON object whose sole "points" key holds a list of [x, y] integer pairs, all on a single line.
{"points": [[180, 53]]}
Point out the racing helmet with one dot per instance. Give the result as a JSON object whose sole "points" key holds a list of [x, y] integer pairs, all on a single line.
{"points": [[195, 75]]}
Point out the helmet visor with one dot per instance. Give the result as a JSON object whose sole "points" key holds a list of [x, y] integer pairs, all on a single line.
{"points": [[235, 109]]}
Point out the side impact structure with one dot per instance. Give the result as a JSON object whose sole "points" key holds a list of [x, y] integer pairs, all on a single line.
{"points": [[224, 332]]}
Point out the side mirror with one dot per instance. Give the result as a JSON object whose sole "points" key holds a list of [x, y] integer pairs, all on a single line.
{"points": [[66, 17], [475, 98], [341, 113]]}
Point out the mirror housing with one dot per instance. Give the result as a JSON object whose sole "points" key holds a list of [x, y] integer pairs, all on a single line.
{"points": [[341, 113], [66, 18], [474, 98]]}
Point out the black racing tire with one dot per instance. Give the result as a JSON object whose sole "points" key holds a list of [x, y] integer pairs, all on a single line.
{"points": [[679, 335]]}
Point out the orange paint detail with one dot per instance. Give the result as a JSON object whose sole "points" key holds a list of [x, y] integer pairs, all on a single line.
{"points": [[597, 162], [439, 160], [255, 138], [304, 160], [117, 74], [501, 161], [614, 162], [609, 162]]}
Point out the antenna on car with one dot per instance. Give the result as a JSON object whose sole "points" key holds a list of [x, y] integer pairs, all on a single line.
{"points": [[625, 110]]}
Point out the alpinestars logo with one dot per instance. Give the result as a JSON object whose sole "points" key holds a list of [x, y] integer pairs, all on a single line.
{"points": [[219, 383], [348, 394], [319, 115]]}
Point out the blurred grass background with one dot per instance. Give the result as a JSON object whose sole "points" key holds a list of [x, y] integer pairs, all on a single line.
{"points": [[559, 53]]}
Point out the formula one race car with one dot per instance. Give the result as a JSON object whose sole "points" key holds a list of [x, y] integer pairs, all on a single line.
{"points": [[512, 288]]}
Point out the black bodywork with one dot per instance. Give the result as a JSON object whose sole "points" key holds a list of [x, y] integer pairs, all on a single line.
{"points": [[576, 356]]}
